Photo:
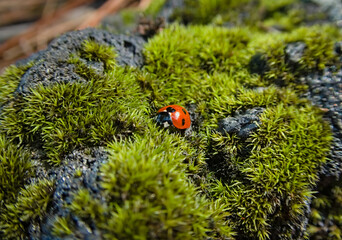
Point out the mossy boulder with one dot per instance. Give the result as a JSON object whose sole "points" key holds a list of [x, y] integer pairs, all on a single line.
{"points": [[81, 155]]}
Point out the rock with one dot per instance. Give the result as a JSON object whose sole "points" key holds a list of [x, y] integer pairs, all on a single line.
{"points": [[338, 48], [332, 7], [325, 91], [168, 9], [52, 64], [68, 183], [242, 124], [294, 52], [230, 125]]}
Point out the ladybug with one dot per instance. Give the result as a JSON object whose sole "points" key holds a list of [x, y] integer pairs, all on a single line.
{"points": [[174, 115]]}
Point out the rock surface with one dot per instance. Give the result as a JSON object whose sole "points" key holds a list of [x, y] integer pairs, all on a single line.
{"points": [[242, 124], [325, 91], [52, 64], [80, 171]]}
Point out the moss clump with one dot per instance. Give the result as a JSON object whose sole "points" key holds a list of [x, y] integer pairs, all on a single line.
{"points": [[325, 217], [20, 204], [93, 51], [274, 181], [62, 117], [15, 169], [283, 15], [147, 195], [317, 54], [9, 81], [264, 15], [27, 208], [211, 67], [181, 58], [158, 184], [273, 171], [203, 11]]}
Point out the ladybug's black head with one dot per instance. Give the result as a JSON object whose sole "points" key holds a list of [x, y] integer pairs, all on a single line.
{"points": [[164, 119]]}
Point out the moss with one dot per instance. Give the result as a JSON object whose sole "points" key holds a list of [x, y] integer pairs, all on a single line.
{"points": [[15, 169], [61, 117], [325, 217], [272, 173], [147, 194], [264, 15], [274, 181], [203, 11], [61, 228], [10, 79], [159, 184], [154, 7], [20, 204], [93, 51], [318, 54], [285, 22], [177, 64], [29, 207]]}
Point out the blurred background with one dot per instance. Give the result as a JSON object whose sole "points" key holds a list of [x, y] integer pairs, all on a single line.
{"points": [[28, 26]]}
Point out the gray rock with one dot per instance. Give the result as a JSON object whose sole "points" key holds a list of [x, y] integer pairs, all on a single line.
{"points": [[167, 10], [242, 124], [325, 91], [230, 125], [294, 52], [67, 183], [338, 48], [332, 7], [51, 65]]}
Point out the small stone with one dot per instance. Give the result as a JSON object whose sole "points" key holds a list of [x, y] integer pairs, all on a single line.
{"points": [[294, 52], [242, 124], [229, 125], [247, 130]]}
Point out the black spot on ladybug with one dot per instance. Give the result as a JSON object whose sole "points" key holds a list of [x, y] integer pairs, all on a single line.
{"points": [[170, 109], [183, 121], [184, 111]]}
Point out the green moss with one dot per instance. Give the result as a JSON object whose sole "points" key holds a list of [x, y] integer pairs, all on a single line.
{"points": [[154, 7], [178, 63], [285, 22], [326, 208], [320, 42], [318, 54], [61, 228], [61, 117], [263, 15], [160, 184], [93, 51], [15, 169], [9, 81], [29, 206], [78, 173], [275, 179], [203, 11], [272, 172], [147, 194]]}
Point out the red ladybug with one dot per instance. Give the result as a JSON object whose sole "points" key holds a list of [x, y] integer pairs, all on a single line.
{"points": [[174, 115]]}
